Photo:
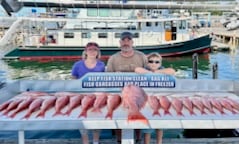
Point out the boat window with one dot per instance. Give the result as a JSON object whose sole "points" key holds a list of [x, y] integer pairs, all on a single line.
{"points": [[182, 24], [167, 25], [148, 24], [102, 35], [92, 12], [117, 35], [104, 12], [126, 13], [68, 35], [136, 35], [85, 35], [156, 24], [115, 13]]}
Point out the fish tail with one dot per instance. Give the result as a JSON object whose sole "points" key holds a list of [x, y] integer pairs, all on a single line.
{"points": [[83, 114], [13, 115], [68, 112], [203, 112], [166, 112], [109, 114], [222, 112], [180, 113], [41, 114], [234, 112], [27, 116], [57, 113], [212, 111], [137, 116], [192, 113], [156, 113], [5, 112]]}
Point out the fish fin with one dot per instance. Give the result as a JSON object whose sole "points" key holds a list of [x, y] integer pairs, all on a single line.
{"points": [[137, 116]]}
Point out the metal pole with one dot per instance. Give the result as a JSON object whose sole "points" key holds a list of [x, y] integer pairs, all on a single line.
{"points": [[215, 71], [21, 137], [195, 66]]}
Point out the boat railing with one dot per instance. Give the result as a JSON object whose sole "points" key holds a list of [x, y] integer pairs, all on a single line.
{"points": [[8, 38]]}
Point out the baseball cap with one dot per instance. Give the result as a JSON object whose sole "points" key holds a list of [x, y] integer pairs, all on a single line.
{"points": [[128, 35], [92, 44]]}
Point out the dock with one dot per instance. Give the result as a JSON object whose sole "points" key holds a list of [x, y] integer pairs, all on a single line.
{"points": [[111, 141], [223, 40], [219, 46]]}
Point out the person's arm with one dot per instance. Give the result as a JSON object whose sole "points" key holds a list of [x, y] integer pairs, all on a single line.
{"points": [[73, 77], [74, 74], [169, 71], [141, 70], [109, 67]]}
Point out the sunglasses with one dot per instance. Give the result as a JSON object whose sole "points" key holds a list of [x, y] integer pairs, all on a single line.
{"points": [[157, 62], [92, 44]]}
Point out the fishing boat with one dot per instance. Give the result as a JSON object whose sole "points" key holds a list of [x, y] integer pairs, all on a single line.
{"points": [[154, 30]]}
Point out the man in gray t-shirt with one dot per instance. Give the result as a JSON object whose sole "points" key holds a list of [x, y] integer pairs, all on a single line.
{"points": [[127, 59]]}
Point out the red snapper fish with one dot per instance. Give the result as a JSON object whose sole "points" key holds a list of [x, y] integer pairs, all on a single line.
{"points": [[11, 106], [4, 105], [61, 102], [34, 106], [178, 106], [113, 103], [188, 105], [199, 105], [100, 102], [206, 102], [86, 104], [165, 104], [154, 104], [226, 105], [75, 101], [233, 103], [134, 98], [48, 103], [22, 106], [216, 104]]}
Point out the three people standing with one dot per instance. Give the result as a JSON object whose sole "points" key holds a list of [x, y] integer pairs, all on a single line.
{"points": [[126, 60]]}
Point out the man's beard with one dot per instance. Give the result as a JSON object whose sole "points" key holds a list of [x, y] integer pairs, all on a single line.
{"points": [[126, 48]]}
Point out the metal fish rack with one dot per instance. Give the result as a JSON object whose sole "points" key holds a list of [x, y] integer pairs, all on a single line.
{"points": [[183, 87]]}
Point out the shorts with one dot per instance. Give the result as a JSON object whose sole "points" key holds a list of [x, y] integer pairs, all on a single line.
{"points": [[86, 131], [148, 130]]}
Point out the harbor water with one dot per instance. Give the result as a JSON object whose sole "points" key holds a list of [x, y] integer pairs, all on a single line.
{"points": [[228, 69]]}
